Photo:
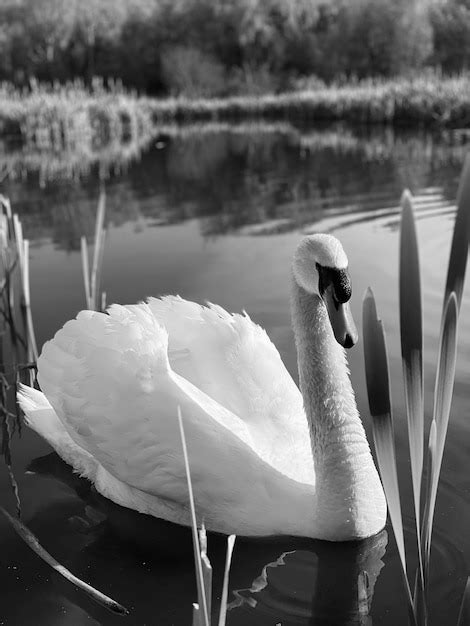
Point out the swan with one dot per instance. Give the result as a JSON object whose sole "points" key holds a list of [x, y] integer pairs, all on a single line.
{"points": [[266, 458]]}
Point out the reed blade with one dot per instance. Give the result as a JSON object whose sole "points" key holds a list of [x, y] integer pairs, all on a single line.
{"points": [[99, 223], [98, 248], [86, 271], [228, 561], [464, 613], [32, 345], [412, 351], [18, 232], [429, 507], [197, 553], [461, 237], [34, 544], [378, 391], [443, 390], [99, 272]]}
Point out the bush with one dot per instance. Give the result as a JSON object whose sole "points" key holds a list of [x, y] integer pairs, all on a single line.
{"points": [[252, 81], [206, 48], [451, 32], [189, 72]]}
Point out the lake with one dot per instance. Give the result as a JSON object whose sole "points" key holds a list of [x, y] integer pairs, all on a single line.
{"points": [[214, 213]]}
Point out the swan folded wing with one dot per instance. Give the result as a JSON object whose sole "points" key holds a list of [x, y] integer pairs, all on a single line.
{"points": [[41, 417], [232, 360], [108, 379]]}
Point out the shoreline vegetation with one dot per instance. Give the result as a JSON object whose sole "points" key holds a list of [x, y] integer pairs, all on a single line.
{"points": [[68, 132], [66, 116], [427, 100]]}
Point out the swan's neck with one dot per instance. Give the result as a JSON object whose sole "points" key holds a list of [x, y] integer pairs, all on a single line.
{"points": [[348, 491], [324, 377]]}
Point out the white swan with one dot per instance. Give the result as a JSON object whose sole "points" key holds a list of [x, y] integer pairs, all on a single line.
{"points": [[112, 384]]}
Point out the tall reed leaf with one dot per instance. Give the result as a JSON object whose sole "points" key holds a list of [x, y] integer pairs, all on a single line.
{"points": [[411, 350], [443, 390], [202, 604], [461, 237], [378, 390]]}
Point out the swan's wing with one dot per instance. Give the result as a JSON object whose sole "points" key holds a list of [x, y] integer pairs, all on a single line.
{"points": [[109, 381], [232, 360], [41, 417]]}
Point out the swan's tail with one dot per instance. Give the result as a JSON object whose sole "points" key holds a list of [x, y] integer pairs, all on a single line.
{"points": [[41, 417]]}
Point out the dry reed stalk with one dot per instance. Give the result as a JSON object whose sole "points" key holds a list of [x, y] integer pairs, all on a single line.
{"points": [[34, 544]]}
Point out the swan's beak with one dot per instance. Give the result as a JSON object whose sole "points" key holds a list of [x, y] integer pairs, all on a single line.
{"points": [[343, 325]]}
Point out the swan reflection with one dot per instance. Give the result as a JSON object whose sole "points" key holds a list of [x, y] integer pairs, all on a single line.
{"points": [[288, 581], [323, 583]]}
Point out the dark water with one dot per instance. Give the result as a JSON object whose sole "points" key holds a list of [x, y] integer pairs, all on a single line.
{"points": [[215, 213]]}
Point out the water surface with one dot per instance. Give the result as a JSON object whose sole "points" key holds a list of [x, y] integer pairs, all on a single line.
{"points": [[214, 213]]}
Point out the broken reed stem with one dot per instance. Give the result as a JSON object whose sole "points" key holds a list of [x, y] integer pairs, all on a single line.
{"points": [[197, 554], [228, 561], [197, 615], [34, 544], [206, 568]]}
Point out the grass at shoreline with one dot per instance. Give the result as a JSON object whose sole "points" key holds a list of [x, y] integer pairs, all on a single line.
{"points": [[427, 100], [65, 130], [72, 114]]}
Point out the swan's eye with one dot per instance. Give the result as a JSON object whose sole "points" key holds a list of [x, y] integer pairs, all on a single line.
{"points": [[339, 281]]}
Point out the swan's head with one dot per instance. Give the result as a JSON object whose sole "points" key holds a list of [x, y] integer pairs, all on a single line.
{"points": [[321, 268]]}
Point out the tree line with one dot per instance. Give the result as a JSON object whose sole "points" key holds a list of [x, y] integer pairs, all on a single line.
{"points": [[221, 47]]}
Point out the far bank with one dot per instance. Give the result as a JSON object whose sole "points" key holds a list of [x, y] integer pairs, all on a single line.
{"points": [[65, 115]]}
